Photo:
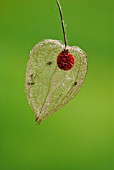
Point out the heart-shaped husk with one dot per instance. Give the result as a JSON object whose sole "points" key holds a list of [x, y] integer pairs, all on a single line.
{"points": [[48, 87]]}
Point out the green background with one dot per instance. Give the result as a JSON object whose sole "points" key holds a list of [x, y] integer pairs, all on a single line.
{"points": [[80, 136]]}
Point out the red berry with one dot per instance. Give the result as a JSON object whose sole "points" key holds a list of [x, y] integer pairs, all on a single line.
{"points": [[65, 60]]}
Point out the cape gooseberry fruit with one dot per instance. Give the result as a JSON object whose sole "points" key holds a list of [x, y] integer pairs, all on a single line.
{"points": [[65, 60]]}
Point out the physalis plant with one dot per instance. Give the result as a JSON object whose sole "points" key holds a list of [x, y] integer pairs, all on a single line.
{"points": [[54, 75]]}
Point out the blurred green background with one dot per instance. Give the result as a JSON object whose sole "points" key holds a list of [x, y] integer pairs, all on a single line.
{"points": [[80, 136]]}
